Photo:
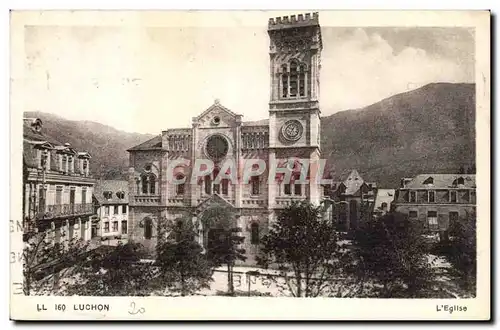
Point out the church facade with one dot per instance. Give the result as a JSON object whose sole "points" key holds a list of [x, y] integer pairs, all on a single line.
{"points": [[218, 134]]}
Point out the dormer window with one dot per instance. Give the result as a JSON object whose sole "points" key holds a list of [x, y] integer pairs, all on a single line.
{"points": [[460, 181], [108, 194], [120, 195], [44, 158], [429, 180]]}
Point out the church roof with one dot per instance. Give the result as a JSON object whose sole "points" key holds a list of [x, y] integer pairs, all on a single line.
{"points": [[151, 144]]}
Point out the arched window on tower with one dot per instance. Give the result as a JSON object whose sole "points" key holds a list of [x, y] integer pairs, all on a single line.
{"points": [[284, 81], [148, 184], [302, 81], [179, 188], [255, 185], [294, 79], [254, 228], [208, 184]]}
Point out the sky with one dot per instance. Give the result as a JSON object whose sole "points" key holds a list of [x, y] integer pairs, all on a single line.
{"points": [[147, 78]]}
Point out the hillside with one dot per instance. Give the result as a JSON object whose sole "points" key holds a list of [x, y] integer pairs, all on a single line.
{"points": [[430, 129], [106, 145]]}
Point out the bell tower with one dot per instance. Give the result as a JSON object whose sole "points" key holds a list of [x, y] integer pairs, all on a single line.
{"points": [[294, 114]]}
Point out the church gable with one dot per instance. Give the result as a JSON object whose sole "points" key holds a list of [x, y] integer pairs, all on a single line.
{"points": [[217, 116]]}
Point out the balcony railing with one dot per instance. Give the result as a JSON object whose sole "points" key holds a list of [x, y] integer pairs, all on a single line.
{"points": [[62, 210], [147, 199]]}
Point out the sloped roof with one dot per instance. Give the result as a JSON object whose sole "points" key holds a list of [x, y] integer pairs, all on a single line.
{"points": [[384, 196], [441, 181], [151, 144], [114, 186], [263, 122], [219, 106], [353, 182]]}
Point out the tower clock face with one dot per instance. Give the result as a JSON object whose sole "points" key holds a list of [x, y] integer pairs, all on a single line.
{"points": [[292, 130], [216, 147]]}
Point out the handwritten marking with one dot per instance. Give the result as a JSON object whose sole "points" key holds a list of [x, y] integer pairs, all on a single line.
{"points": [[133, 310]]}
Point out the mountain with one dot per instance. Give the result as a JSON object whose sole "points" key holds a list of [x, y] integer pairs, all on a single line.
{"points": [[427, 130], [106, 145]]}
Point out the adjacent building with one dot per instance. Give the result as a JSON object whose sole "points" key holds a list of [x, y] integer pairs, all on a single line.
{"points": [[351, 200], [58, 187], [437, 200], [383, 204], [111, 201], [219, 134]]}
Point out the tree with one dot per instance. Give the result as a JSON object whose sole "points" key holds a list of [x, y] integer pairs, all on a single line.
{"points": [[224, 242], [46, 262], [392, 251], [115, 271], [461, 250], [180, 258], [305, 248]]}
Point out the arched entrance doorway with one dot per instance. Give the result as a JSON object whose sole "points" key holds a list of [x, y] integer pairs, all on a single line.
{"points": [[216, 221]]}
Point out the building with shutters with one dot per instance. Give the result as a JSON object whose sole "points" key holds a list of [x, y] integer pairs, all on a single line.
{"points": [[111, 201], [437, 200], [219, 134], [58, 187]]}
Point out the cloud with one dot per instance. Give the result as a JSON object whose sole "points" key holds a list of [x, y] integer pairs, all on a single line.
{"points": [[361, 68]]}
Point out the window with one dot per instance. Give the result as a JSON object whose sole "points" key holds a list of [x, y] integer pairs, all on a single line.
{"points": [[148, 184], [460, 181], [216, 188], [413, 196], [432, 220], [429, 180], [288, 189], [107, 194], [115, 209], [70, 164], [59, 195], [84, 195], [431, 195], [284, 81], [63, 163], [144, 182], [179, 188], [208, 185], [384, 206], [255, 185], [124, 226], [44, 158], [106, 210], [120, 194], [302, 81], [413, 214], [225, 186], [297, 190], [293, 81], [124, 209], [106, 227], [254, 228], [453, 196], [115, 226]]}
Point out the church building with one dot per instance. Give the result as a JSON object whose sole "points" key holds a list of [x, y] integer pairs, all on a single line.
{"points": [[220, 134]]}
